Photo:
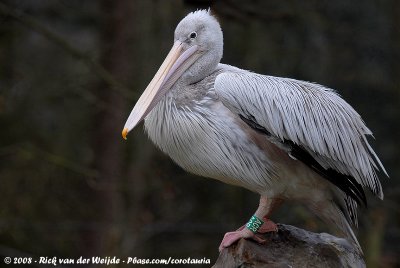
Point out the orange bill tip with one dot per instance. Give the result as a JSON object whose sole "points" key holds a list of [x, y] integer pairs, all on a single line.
{"points": [[125, 133]]}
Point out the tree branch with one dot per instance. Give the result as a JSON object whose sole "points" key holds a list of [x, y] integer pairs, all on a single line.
{"points": [[98, 69]]}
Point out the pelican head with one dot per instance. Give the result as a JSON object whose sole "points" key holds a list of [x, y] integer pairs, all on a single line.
{"points": [[197, 50]]}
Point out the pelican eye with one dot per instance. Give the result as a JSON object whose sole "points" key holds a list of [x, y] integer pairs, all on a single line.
{"points": [[193, 35]]}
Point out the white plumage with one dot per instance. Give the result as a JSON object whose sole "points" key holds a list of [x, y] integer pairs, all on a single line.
{"points": [[279, 137], [309, 115]]}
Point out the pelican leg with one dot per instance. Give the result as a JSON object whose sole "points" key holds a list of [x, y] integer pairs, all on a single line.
{"points": [[268, 226], [264, 209]]}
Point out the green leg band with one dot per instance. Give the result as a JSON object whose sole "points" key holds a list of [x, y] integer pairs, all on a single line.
{"points": [[254, 224]]}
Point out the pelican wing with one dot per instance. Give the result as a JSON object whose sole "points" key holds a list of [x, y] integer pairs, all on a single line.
{"points": [[311, 122]]}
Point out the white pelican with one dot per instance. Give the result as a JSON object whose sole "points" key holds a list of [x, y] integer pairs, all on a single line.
{"points": [[279, 137]]}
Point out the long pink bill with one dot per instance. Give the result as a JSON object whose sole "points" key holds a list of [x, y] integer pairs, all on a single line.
{"points": [[174, 65]]}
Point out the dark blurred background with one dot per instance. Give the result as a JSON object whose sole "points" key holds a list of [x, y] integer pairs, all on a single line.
{"points": [[70, 72]]}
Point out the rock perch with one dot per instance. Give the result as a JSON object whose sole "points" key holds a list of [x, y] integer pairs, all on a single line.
{"points": [[292, 247]]}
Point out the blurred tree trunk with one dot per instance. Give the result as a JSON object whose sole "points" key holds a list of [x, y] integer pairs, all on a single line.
{"points": [[108, 122]]}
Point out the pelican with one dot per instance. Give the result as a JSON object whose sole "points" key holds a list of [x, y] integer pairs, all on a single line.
{"points": [[282, 138]]}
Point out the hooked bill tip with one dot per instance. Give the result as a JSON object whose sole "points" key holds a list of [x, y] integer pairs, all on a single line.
{"points": [[124, 133]]}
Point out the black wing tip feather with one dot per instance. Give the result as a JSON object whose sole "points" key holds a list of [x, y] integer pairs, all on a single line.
{"points": [[346, 183]]}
